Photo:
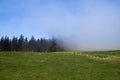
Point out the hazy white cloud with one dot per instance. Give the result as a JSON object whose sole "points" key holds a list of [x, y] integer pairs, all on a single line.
{"points": [[86, 25]]}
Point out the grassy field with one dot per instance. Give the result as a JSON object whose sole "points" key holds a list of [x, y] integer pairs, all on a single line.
{"points": [[60, 66]]}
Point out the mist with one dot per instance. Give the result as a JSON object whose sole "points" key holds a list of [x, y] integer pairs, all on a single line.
{"points": [[79, 24]]}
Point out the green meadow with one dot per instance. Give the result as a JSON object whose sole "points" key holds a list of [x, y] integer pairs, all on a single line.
{"points": [[104, 65]]}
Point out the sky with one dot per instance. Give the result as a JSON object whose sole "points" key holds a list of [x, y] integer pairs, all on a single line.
{"points": [[79, 24]]}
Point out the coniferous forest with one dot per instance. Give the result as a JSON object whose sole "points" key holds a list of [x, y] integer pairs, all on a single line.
{"points": [[29, 45]]}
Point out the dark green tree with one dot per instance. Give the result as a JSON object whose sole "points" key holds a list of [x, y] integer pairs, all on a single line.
{"points": [[21, 42], [25, 45], [7, 44], [14, 44], [2, 44], [32, 44]]}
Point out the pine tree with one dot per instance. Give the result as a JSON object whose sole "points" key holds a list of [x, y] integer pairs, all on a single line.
{"points": [[32, 44], [21, 42], [6, 44]]}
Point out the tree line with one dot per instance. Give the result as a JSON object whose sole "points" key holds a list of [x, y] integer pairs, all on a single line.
{"points": [[33, 45]]}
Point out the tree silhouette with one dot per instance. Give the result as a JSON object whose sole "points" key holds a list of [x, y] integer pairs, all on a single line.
{"points": [[34, 45]]}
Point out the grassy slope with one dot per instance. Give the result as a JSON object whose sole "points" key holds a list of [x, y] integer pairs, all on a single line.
{"points": [[60, 66]]}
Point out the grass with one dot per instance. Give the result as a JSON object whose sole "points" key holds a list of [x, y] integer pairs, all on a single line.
{"points": [[60, 66]]}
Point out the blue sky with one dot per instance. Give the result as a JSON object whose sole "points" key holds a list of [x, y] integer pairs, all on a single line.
{"points": [[80, 24]]}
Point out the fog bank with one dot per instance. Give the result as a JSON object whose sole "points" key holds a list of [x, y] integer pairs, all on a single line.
{"points": [[78, 24]]}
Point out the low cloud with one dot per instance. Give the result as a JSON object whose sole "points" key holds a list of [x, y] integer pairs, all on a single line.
{"points": [[86, 25]]}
